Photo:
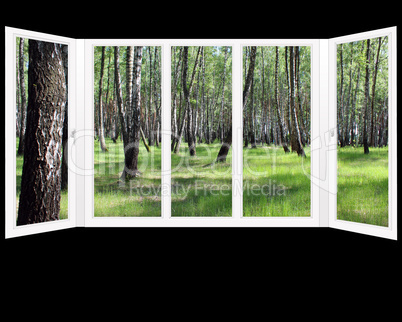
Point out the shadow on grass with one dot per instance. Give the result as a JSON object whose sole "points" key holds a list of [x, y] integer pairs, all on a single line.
{"points": [[128, 207], [203, 203]]}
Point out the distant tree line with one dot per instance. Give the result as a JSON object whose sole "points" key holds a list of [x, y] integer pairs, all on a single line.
{"points": [[362, 93], [277, 108]]}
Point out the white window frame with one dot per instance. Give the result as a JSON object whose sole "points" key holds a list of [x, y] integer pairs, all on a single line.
{"points": [[385, 232], [166, 220], [81, 144], [11, 228]]}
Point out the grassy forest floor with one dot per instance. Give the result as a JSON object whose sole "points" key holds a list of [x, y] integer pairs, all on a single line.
{"points": [[64, 194], [198, 187], [201, 187], [138, 197], [275, 183], [363, 185]]}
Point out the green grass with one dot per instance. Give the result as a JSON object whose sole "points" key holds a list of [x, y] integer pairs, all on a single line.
{"points": [[201, 187], [140, 196], [275, 183], [363, 185], [64, 194]]}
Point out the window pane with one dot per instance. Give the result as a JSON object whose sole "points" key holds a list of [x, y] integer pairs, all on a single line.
{"points": [[127, 118], [276, 131], [201, 158], [362, 107], [41, 138]]}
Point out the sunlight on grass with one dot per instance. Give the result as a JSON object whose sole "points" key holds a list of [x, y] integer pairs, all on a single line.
{"points": [[274, 183], [138, 197], [363, 185], [201, 187]]}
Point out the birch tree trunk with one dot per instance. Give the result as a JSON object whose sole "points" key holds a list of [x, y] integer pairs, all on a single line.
{"points": [[223, 93], [373, 92], [278, 114], [187, 92], [101, 124], [64, 159], [41, 178], [23, 97], [174, 100], [131, 151], [295, 135], [224, 150], [119, 96], [366, 98]]}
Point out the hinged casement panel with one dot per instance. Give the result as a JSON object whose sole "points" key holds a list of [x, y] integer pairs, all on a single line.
{"points": [[11, 227], [389, 230]]}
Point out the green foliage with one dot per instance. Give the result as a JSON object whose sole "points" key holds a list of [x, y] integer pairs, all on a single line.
{"points": [[354, 61], [108, 73]]}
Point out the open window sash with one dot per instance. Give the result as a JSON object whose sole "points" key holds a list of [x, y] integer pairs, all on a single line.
{"points": [[389, 231], [11, 227]]}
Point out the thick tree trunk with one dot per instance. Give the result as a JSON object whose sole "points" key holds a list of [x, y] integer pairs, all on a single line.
{"points": [[224, 150], [41, 178], [23, 97], [131, 151], [64, 160]]}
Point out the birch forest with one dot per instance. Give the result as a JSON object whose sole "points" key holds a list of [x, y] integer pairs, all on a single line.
{"points": [[201, 105], [362, 114], [362, 98], [276, 130], [127, 130]]}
